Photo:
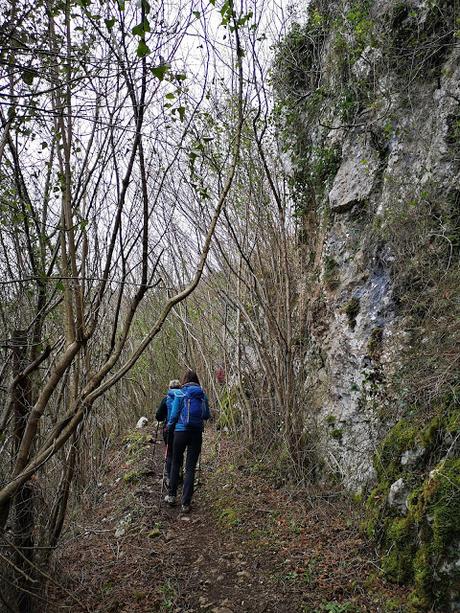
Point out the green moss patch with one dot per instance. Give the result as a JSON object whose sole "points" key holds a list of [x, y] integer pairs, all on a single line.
{"points": [[387, 461], [351, 310], [420, 547], [133, 476], [137, 442]]}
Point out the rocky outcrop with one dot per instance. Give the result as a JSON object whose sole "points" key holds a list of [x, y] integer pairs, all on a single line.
{"points": [[398, 495], [356, 176]]}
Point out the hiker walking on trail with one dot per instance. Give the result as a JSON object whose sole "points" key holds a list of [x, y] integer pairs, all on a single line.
{"points": [[163, 414], [189, 410]]}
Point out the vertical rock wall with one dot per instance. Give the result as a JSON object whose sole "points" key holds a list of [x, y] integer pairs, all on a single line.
{"points": [[369, 104]]}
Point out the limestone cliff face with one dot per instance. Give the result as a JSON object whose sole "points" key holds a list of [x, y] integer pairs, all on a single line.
{"points": [[369, 110], [368, 101]]}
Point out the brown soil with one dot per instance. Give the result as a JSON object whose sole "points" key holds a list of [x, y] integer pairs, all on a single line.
{"points": [[246, 547]]}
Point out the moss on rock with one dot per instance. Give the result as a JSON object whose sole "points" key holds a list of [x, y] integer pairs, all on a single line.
{"points": [[351, 310], [387, 461], [421, 547], [442, 503], [400, 537], [136, 442]]}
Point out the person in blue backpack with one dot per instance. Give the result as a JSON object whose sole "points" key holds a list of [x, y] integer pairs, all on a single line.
{"points": [[189, 410], [163, 414]]}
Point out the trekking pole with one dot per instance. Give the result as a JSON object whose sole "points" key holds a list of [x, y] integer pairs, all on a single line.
{"points": [[198, 469], [163, 475], [198, 472], [155, 442]]}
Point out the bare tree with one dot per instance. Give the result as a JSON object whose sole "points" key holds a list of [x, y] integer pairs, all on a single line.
{"points": [[99, 108]]}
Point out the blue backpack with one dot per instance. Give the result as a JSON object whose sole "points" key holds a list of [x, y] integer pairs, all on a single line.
{"points": [[193, 407], [172, 393]]}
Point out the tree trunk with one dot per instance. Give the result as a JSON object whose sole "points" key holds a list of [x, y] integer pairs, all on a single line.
{"points": [[23, 501]]}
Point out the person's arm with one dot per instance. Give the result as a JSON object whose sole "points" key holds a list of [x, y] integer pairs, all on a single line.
{"points": [[162, 411], [175, 410]]}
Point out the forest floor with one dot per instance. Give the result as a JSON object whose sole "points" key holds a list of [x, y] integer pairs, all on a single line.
{"points": [[245, 547]]}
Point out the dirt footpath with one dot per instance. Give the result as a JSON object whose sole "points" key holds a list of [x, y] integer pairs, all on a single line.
{"points": [[245, 548]]}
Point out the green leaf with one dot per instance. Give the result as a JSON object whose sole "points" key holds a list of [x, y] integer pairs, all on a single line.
{"points": [[121, 5], [146, 6], [197, 14], [170, 96], [181, 76], [243, 20], [142, 49], [227, 12], [204, 194], [141, 28], [109, 23], [28, 76], [84, 3], [160, 71], [181, 111]]}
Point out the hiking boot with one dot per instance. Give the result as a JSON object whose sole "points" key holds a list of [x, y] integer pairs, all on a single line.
{"points": [[171, 500], [186, 508]]}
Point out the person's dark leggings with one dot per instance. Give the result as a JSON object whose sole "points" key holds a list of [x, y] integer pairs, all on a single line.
{"points": [[190, 440]]}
